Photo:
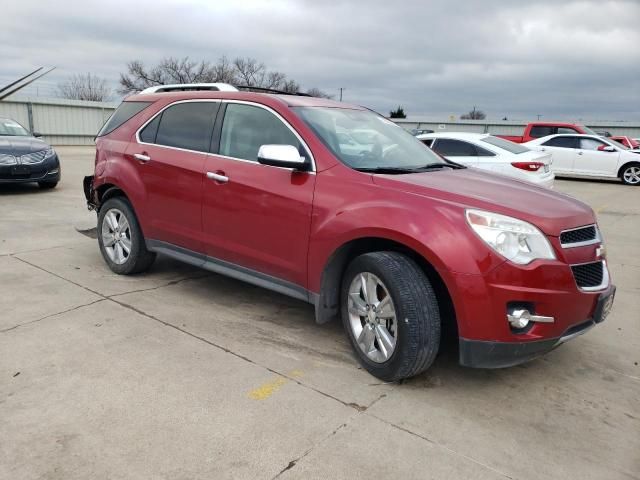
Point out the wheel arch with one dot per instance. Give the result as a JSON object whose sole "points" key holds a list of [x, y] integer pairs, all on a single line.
{"points": [[628, 164], [327, 303]]}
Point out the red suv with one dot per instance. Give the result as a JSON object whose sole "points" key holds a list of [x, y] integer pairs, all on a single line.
{"points": [[376, 229]]}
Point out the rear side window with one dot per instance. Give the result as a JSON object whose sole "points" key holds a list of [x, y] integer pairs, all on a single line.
{"points": [[454, 148], [246, 128], [123, 113], [187, 125], [427, 141], [148, 133], [562, 142], [541, 131]]}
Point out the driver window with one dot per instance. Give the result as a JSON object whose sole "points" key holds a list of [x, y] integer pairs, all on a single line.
{"points": [[590, 144], [246, 128]]}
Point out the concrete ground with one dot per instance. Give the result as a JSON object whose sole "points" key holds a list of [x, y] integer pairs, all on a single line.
{"points": [[183, 374]]}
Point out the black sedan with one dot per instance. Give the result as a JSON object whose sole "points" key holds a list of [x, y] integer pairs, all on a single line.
{"points": [[25, 158]]}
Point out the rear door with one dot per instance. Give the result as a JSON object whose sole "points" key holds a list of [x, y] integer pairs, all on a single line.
{"points": [[170, 155], [591, 161], [254, 216], [456, 150], [563, 152]]}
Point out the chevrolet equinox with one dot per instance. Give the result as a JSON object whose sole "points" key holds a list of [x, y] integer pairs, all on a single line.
{"points": [[381, 232]]}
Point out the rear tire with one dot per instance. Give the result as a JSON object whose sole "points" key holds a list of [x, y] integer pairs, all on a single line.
{"points": [[390, 348], [120, 238], [630, 174]]}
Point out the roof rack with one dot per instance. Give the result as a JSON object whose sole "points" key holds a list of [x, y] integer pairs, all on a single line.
{"points": [[188, 87], [270, 90]]}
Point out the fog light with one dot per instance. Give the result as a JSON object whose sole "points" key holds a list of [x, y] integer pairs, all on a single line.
{"points": [[519, 318], [53, 172]]}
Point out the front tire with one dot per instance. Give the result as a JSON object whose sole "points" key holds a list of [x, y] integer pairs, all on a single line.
{"points": [[391, 315], [630, 174], [120, 238]]}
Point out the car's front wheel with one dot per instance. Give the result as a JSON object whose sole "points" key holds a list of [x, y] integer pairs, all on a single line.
{"points": [[120, 238], [390, 312], [630, 174]]}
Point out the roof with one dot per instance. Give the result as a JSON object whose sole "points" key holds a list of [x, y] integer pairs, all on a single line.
{"points": [[266, 98]]}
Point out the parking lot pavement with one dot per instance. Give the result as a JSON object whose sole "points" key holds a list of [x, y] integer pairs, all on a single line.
{"points": [[179, 373]]}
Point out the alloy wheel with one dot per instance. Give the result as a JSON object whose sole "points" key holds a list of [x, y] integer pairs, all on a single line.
{"points": [[372, 317], [116, 236], [632, 175]]}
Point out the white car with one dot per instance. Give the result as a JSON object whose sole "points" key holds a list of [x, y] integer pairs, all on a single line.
{"points": [[498, 155], [590, 156]]}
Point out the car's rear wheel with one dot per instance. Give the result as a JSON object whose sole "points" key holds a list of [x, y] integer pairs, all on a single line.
{"points": [[120, 238], [390, 312], [630, 174]]}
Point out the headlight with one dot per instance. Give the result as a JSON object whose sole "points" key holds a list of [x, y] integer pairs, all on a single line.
{"points": [[517, 241], [49, 153]]}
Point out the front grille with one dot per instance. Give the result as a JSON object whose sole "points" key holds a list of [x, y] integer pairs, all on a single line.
{"points": [[588, 275], [579, 235], [31, 158], [7, 159]]}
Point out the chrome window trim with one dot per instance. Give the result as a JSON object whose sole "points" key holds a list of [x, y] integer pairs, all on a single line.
{"points": [[221, 101], [597, 239], [605, 277]]}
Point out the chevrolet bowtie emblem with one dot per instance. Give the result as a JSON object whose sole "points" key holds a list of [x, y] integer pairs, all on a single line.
{"points": [[601, 251]]}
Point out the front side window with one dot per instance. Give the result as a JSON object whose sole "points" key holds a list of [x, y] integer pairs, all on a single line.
{"points": [[246, 128], [11, 128], [186, 125], [454, 148], [591, 144], [541, 131], [123, 113], [561, 142]]}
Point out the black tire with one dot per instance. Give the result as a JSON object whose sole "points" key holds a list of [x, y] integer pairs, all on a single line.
{"points": [[417, 313], [47, 185], [629, 178], [139, 258]]}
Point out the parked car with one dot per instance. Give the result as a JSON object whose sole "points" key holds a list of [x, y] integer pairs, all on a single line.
{"points": [[630, 143], [494, 154], [590, 156], [25, 158], [420, 131], [544, 129], [398, 243]]}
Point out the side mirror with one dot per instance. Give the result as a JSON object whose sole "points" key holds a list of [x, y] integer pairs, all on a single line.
{"points": [[37, 135], [606, 148], [285, 156]]}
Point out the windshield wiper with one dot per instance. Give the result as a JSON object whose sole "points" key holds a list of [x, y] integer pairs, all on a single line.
{"points": [[400, 170], [434, 166]]}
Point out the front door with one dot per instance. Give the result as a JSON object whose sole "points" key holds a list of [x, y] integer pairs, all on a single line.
{"points": [[254, 216], [592, 161]]}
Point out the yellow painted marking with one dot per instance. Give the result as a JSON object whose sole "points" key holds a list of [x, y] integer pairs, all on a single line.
{"points": [[296, 373], [600, 208], [267, 389]]}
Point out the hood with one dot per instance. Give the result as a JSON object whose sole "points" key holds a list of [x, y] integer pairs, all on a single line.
{"points": [[20, 145], [550, 211]]}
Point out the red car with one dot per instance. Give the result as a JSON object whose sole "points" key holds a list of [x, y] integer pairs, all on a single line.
{"points": [[628, 142], [543, 129], [391, 238]]}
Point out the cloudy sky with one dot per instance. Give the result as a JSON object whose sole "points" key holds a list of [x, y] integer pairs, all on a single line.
{"points": [[564, 60]]}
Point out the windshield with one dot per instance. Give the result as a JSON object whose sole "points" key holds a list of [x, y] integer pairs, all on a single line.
{"points": [[505, 144], [617, 144], [364, 140], [12, 128], [588, 131]]}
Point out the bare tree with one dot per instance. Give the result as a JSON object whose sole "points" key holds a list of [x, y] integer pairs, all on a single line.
{"points": [[316, 92], [85, 87], [474, 115]]}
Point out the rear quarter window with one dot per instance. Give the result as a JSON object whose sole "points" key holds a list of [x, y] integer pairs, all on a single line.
{"points": [[123, 113]]}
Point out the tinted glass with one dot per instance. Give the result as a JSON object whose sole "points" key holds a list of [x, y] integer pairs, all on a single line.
{"points": [[148, 133], [541, 131], [454, 148], [590, 144], [246, 128], [566, 130], [510, 147], [378, 142], [483, 152], [124, 112], [427, 141], [187, 125], [11, 128], [562, 142]]}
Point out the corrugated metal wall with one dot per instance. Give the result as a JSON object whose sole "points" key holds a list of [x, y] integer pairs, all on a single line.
{"points": [[62, 122]]}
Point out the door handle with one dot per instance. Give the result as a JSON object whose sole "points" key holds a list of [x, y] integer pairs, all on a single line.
{"points": [[142, 157], [543, 149], [217, 177], [580, 153]]}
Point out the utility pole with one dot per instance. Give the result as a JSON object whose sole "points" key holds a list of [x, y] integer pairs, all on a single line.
{"points": [[539, 117], [341, 89]]}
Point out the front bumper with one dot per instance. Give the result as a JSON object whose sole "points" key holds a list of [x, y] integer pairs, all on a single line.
{"points": [[492, 354], [46, 171]]}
